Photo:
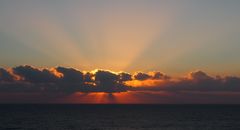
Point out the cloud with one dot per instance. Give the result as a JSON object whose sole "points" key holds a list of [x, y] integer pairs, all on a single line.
{"points": [[199, 76], [34, 75], [141, 76], [88, 77], [158, 75], [70, 80], [195, 81], [232, 82], [31, 84], [70, 75], [123, 76], [60, 79], [108, 81], [154, 75], [5, 76]]}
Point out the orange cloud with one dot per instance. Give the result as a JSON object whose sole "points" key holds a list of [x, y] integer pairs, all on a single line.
{"points": [[146, 83], [56, 73]]}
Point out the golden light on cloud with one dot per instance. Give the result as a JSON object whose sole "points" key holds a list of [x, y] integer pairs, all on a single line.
{"points": [[15, 76], [56, 73], [146, 83]]}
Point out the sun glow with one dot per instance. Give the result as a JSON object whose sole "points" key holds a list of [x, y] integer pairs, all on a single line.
{"points": [[146, 83], [130, 97], [113, 42]]}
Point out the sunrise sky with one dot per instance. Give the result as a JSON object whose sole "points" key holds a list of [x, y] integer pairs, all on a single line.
{"points": [[166, 47]]}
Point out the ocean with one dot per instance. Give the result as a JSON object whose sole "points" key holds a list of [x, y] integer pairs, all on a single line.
{"points": [[119, 117]]}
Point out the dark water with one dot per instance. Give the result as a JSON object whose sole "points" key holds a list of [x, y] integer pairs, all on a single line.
{"points": [[120, 117]]}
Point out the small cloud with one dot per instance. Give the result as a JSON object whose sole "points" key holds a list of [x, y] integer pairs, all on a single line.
{"points": [[141, 76], [123, 76], [158, 75], [199, 76]]}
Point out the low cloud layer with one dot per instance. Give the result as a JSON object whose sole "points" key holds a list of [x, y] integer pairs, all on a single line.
{"points": [[69, 80], [60, 79], [197, 81]]}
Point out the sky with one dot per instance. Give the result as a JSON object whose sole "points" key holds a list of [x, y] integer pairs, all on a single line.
{"points": [[179, 38]]}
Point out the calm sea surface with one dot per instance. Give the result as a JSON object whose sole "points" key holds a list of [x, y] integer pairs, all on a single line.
{"points": [[120, 117]]}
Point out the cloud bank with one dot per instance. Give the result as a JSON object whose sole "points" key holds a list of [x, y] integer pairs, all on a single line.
{"points": [[197, 81], [69, 80], [28, 84]]}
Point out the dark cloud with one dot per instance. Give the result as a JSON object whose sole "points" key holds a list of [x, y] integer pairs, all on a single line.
{"points": [[60, 79], [108, 81], [70, 75], [34, 75], [123, 76], [232, 82], [88, 77], [155, 75], [5, 76], [141, 76]]}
